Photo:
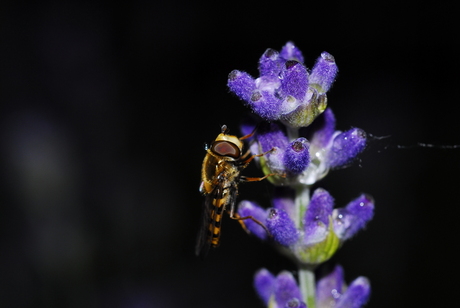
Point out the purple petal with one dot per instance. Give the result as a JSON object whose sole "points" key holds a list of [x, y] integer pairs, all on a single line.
{"points": [[270, 63], [242, 84], [285, 288], [297, 156], [353, 217], [316, 220], [291, 52], [247, 208], [346, 146], [320, 207], [282, 227], [271, 135], [265, 104], [264, 283], [330, 288], [324, 72], [294, 79], [357, 294], [324, 128], [283, 198]]}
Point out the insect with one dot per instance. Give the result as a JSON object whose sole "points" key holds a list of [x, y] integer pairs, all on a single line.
{"points": [[220, 176]]}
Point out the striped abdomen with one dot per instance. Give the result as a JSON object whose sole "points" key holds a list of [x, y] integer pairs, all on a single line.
{"points": [[215, 220]]}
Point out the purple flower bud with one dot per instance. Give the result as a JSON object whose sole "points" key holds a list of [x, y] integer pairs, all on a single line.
{"points": [[324, 72], [346, 146], [285, 288], [270, 63], [294, 79], [247, 208], [265, 104], [291, 52], [242, 84], [283, 198], [324, 128], [264, 283], [357, 294], [282, 227], [353, 217], [330, 288], [295, 303], [270, 135], [297, 156], [316, 220]]}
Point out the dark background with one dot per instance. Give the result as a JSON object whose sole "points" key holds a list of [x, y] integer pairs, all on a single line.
{"points": [[104, 112]]}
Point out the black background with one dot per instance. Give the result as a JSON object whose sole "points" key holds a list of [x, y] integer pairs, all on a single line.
{"points": [[104, 112]]}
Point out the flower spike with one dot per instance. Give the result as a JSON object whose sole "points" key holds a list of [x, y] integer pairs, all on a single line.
{"points": [[295, 145], [284, 90], [331, 290]]}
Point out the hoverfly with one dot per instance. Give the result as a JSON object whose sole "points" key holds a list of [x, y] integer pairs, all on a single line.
{"points": [[220, 176]]}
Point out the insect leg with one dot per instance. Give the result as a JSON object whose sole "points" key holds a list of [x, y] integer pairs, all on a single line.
{"points": [[234, 215], [243, 157], [250, 134], [240, 219], [246, 162], [254, 179]]}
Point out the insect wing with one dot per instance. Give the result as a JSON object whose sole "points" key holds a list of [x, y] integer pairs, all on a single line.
{"points": [[202, 243]]}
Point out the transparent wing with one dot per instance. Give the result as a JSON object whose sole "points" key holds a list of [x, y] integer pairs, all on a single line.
{"points": [[202, 242]]}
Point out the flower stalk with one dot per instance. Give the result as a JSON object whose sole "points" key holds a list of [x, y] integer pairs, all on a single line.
{"points": [[307, 285]]}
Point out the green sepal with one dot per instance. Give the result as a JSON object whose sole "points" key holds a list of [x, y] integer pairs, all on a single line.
{"points": [[275, 179], [320, 252], [272, 302], [304, 115]]}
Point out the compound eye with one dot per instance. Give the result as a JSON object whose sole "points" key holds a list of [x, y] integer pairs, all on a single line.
{"points": [[225, 148]]}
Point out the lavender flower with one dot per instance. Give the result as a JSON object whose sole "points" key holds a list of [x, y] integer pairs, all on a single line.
{"points": [[315, 237], [327, 149], [277, 291], [283, 91], [297, 133], [331, 290]]}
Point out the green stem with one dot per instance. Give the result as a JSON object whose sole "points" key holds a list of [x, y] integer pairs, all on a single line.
{"points": [[292, 132], [307, 285], [302, 200]]}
